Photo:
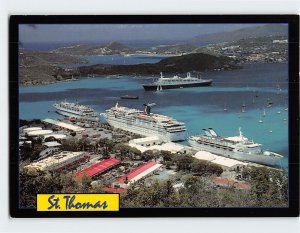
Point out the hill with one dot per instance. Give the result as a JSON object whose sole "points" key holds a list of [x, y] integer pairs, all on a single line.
{"points": [[251, 32], [179, 64], [45, 72]]}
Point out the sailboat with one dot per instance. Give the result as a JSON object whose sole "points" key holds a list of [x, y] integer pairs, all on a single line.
{"points": [[264, 113], [260, 120], [225, 109], [244, 107]]}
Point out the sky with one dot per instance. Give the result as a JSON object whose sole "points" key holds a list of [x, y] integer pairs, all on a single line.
{"points": [[118, 32]]}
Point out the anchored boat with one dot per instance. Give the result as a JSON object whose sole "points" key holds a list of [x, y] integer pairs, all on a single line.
{"points": [[176, 82]]}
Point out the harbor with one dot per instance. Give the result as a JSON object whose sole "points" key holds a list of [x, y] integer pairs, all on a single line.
{"points": [[164, 126]]}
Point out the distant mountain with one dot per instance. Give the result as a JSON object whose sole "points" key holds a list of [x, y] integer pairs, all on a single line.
{"points": [[113, 48], [86, 49], [251, 32]]}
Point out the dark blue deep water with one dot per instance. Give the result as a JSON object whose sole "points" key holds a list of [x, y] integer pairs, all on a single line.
{"points": [[253, 86]]}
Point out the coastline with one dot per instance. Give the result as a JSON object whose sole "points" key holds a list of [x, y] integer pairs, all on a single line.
{"points": [[43, 82]]}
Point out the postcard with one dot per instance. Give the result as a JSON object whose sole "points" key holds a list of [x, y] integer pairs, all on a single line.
{"points": [[154, 116]]}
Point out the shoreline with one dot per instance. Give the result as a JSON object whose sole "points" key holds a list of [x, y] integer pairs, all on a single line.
{"points": [[42, 83]]}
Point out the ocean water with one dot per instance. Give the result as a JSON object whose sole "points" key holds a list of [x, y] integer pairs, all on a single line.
{"points": [[202, 107]]}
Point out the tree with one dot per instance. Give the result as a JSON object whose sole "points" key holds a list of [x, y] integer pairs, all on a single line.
{"points": [[168, 164], [43, 182], [205, 168], [269, 187], [147, 155], [69, 145], [50, 139], [166, 155], [134, 153], [199, 167], [183, 162], [25, 151]]}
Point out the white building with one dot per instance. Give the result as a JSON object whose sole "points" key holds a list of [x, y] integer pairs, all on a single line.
{"points": [[57, 161], [154, 143], [64, 125], [225, 163]]}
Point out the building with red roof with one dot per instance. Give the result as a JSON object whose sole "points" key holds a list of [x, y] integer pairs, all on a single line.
{"points": [[98, 168], [137, 174], [114, 190], [230, 183]]}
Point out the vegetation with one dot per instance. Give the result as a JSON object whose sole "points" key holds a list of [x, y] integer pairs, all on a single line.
{"points": [[269, 187], [199, 192]]}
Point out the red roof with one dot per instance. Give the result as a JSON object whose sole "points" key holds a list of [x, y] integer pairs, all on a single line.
{"points": [[231, 182], [98, 167], [114, 190], [136, 172]]}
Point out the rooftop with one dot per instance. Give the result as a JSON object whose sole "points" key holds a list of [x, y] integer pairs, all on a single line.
{"points": [[64, 125], [39, 132], [145, 140], [231, 183], [220, 160], [98, 167], [52, 144], [26, 130], [57, 159], [139, 172]]}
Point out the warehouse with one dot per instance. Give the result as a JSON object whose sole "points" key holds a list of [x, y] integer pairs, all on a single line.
{"points": [[138, 173], [225, 163], [56, 136], [64, 125], [62, 160], [41, 132], [153, 143], [98, 168], [27, 130]]}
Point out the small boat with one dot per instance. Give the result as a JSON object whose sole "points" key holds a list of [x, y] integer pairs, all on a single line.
{"points": [[130, 97], [225, 109], [260, 121]]}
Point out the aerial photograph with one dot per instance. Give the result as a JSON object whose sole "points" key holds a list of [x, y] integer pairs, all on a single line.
{"points": [[166, 115]]}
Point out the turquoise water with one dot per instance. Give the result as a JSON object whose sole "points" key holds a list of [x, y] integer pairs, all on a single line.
{"points": [[253, 86]]}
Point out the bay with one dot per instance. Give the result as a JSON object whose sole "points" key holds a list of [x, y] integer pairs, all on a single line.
{"points": [[202, 107]]}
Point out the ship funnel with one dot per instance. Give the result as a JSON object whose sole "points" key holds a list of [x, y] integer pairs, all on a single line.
{"points": [[212, 132], [207, 133]]}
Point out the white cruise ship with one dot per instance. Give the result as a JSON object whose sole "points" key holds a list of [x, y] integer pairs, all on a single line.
{"points": [[237, 147], [76, 110], [145, 123], [176, 82]]}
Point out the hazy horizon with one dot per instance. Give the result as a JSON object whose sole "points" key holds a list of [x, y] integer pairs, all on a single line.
{"points": [[100, 33]]}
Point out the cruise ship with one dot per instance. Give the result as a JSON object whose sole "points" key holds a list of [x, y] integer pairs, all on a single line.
{"points": [[176, 82], [236, 147], [145, 123], [76, 110]]}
